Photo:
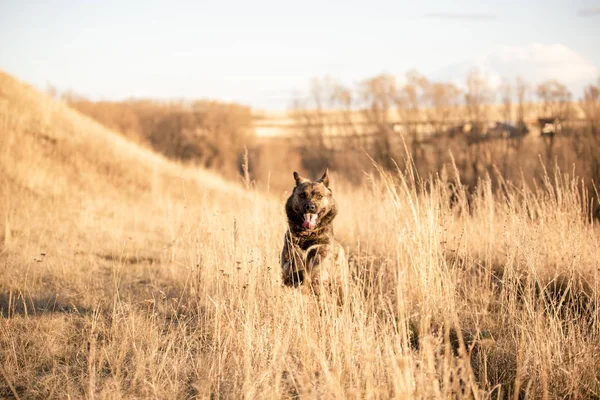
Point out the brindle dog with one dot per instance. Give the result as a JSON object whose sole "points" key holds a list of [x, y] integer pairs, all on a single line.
{"points": [[310, 252]]}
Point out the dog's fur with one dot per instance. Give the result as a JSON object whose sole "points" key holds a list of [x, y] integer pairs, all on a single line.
{"points": [[311, 256]]}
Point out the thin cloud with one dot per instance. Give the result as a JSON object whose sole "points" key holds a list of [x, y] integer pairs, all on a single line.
{"points": [[460, 16], [588, 12]]}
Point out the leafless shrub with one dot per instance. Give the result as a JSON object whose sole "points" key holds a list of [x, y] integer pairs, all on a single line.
{"points": [[208, 133]]}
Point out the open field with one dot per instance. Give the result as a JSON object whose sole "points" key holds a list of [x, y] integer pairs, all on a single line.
{"points": [[125, 275]]}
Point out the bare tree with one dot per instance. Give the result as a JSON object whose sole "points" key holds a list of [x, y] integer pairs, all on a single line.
{"points": [[343, 100], [324, 118], [378, 95], [410, 101], [590, 104], [522, 89], [442, 102], [556, 99], [556, 106], [478, 97], [587, 142], [506, 91]]}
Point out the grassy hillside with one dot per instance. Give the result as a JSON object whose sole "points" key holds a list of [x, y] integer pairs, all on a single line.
{"points": [[124, 275]]}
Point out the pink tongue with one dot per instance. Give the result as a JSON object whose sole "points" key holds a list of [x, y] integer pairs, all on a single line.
{"points": [[310, 221]]}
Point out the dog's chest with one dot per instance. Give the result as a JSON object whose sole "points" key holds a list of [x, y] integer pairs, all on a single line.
{"points": [[307, 243]]}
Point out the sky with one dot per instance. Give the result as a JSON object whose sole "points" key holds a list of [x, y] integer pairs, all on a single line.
{"points": [[264, 52]]}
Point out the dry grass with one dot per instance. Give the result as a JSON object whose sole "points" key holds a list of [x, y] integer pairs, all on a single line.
{"points": [[123, 275]]}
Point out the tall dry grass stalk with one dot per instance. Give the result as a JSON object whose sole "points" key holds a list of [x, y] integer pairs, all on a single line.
{"points": [[126, 276]]}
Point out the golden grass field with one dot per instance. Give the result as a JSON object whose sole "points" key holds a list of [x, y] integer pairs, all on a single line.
{"points": [[124, 275]]}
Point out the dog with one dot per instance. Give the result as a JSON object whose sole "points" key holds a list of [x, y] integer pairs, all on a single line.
{"points": [[311, 256]]}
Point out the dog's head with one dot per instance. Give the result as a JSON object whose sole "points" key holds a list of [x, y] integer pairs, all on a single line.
{"points": [[312, 200]]}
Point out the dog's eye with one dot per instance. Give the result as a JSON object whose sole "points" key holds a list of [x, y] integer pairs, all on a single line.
{"points": [[303, 195], [319, 196]]}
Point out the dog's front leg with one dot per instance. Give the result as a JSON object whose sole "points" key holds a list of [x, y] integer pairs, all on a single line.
{"points": [[318, 259], [292, 264]]}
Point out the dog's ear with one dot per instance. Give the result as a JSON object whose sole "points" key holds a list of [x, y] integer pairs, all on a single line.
{"points": [[299, 180], [325, 178]]}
